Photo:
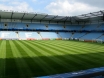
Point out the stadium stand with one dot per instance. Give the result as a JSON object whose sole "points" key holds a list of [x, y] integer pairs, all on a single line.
{"points": [[49, 35], [37, 26], [91, 36], [101, 27], [102, 37], [65, 34], [25, 35], [8, 35], [78, 35], [73, 27], [90, 27], [19, 26], [55, 27]]}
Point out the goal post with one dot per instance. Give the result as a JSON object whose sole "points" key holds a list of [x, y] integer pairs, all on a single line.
{"points": [[97, 40], [94, 40]]}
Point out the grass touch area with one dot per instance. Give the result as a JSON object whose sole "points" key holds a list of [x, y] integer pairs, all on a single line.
{"points": [[26, 59]]}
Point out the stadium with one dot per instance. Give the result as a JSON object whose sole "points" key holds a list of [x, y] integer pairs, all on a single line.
{"points": [[39, 45]]}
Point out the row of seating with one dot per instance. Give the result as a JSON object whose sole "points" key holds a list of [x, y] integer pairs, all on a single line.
{"points": [[64, 30], [88, 36], [50, 26]]}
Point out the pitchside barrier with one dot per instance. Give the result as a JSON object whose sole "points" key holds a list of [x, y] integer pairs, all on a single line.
{"points": [[31, 39], [87, 40], [9, 39], [44, 39], [81, 39], [90, 73], [65, 38], [93, 40]]}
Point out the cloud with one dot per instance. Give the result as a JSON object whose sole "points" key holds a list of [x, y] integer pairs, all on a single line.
{"points": [[34, 0], [16, 6], [96, 3], [55, 7], [4, 0], [70, 8]]}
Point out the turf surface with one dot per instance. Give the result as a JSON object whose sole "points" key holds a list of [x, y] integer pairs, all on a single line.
{"points": [[26, 59]]}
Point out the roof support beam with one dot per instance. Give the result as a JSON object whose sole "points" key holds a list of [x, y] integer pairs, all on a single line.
{"points": [[103, 14], [43, 17], [75, 19], [12, 16], [87, 18], [66, 19], [0, 18], [33, 17], [93, 14], [61, 19], [71, 20], [84, 23], [53, 18], [22, 17], [103, 17]]}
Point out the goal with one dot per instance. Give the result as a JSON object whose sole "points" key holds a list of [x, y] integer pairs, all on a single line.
{"points": [[98, 40]]}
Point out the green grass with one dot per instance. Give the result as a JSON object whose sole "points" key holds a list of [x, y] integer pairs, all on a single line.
{"points": [[26, 59]]}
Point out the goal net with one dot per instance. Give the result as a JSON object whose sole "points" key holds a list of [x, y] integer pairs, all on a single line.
{"points": [[98, 40]]}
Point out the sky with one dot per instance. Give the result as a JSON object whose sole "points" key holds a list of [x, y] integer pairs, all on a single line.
{"points": [[54, 7]]}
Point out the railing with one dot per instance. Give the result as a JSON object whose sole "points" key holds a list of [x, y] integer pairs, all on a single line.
{"points": [[90, 73], [52, 30]]}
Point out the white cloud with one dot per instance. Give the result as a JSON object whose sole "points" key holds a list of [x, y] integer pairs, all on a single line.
{"points": [[34, 0], [16, 6], [70, 8], [4, 0]]}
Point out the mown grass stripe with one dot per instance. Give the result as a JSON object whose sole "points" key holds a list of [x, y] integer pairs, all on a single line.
{"points": [[31, 61], [50, 58], [74, 59], [60, 62], [11, 69], [24, 70], [63, 51], [2, 58], [36, 59], [71, 52], [66, 45], [83, 50], [55, 59], [88, 51], [85, 58], [74, 45], [76, 50]]}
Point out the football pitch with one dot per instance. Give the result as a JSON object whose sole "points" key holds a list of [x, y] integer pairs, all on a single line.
{"points": [[26, 59]]}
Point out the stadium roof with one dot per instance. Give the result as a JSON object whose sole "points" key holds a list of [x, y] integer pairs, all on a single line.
{"points": [[39, 17]]}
